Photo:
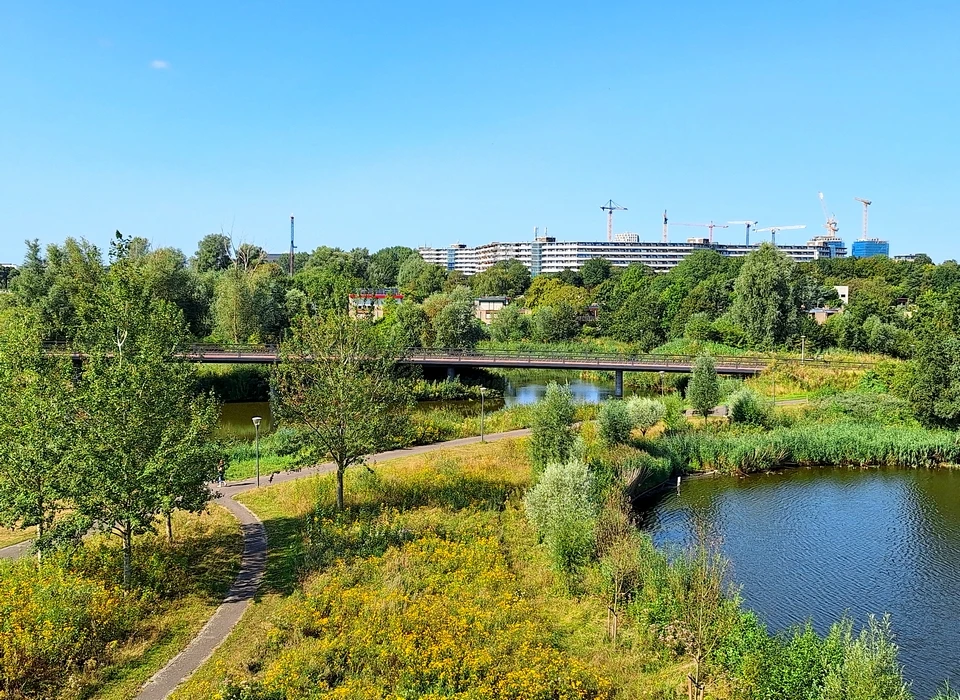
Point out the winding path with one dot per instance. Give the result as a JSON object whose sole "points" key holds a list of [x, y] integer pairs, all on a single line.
{"points": [[253, 564]]}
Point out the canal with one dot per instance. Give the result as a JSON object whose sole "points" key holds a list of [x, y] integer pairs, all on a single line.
{"points": [[818, 543]]}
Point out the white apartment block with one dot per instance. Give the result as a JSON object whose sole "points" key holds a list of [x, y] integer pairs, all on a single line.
{"points": [[546, 254]]}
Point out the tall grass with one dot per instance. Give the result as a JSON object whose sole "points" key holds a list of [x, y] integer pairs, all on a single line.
{"points": [[805, 444]]}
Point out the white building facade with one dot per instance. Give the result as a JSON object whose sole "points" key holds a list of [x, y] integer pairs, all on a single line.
{"points": [[547, 255]]}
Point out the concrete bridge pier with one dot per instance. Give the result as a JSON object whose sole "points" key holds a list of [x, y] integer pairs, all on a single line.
{"points": [[451, 373], [618, 383]]}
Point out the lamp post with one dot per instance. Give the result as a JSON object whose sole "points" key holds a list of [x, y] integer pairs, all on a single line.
{"points": [[662, 375], [482, 391], [803, 348], [256, 424]]}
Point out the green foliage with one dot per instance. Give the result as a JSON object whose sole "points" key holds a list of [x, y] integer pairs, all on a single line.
{"points": [[615, 422], [213, 253], [703, 391], [349, 404], [870, 669], [560, 509], [866, 407], [455, 324], [748, 408], [645, 413], [595, 271], [550, 324], [507, 278], [510, 324], [418, 279], [38, 432], [552, 437], [765, 300]]}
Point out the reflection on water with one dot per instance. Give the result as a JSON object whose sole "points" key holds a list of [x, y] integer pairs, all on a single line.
{"points": [[811, 543], [519, 389]]}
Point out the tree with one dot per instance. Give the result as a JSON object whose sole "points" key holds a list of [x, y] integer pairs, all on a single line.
{"points": [[337, 380], [636, 320], [385, 265], [508, 278], [703, 391], [455, 324], [550, 324], [418, 279], [645, 413], [615, 423], [510, 324], [551, 438], [213, 253], [595, 271], [764, 302], [38, 430], [144, 445]]}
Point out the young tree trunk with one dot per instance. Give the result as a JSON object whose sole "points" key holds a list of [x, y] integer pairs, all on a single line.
{"points": [[340, 471], [170, 527], [40, 541], [127, 553]]}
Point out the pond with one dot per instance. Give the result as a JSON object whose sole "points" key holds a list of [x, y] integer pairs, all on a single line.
{"points": [[520, 388], [818, 543]]}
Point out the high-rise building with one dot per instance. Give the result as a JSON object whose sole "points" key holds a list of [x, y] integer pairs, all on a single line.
{"points": [[868, 247], [546, 254]]}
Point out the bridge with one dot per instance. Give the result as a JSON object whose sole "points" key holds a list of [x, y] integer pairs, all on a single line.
{"points": [[618, 363]]}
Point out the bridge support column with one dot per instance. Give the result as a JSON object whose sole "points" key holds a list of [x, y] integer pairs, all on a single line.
{"points": [[618, 383], [451, 373]]}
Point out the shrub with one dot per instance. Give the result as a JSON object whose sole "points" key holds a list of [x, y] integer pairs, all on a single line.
{"points": [[645, 413], [552, 437], [560, 509], [746, 407], [615, 423], [673, 415], [703, 391], [54, 623]]}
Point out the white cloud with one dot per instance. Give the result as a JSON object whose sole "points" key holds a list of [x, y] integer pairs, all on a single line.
{"points": [[157, 64]]}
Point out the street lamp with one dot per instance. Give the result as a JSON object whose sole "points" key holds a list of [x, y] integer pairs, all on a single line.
{"points": [[256, 424], [482, 391], [662, 375], [803, 348]]}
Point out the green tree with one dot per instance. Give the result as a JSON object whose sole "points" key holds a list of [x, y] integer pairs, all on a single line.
{"points": [[551, 324], [38, 430], [455, 324], [615, 423], [418, 279], [510, 324], [385, 265], [509, 278], [764, 301], [703, 391], [144, 444], [551, 438], [595, 271], [351, 402], [645, 413]]}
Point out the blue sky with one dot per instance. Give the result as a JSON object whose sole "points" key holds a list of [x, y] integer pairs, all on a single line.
{"points": [[427, 123]]}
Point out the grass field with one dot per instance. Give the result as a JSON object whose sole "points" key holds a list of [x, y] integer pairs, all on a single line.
{"points": [[375, 601], [9, 537]]}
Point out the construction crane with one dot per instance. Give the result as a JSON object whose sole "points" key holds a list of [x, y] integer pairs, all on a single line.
{"points": [[664, 225], [866, 203], [710, 226], [748, 224], [611, 207], [831, 225], [773, 231]]}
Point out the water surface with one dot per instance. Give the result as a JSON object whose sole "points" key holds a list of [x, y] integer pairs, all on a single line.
{"points": [[816, 543]]}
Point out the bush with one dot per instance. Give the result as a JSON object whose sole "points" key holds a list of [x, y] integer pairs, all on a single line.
{"points": [[53, 624], [552, 437], [746, 407], [615, 423], [703, 391], [645, 413], [560, 509], [867, 407]]}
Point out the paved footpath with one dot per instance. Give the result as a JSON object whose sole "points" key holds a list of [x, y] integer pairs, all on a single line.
{"points": [[253, 564]]}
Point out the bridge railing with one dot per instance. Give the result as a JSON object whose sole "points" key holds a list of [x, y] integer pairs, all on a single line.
{"points": [[459, 355]]}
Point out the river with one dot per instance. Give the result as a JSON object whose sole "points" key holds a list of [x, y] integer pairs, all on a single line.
{"points": [[816, 543], [519, 389]]}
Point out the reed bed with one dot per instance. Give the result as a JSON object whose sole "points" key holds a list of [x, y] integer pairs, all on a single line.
{"points": [[833, 444]]}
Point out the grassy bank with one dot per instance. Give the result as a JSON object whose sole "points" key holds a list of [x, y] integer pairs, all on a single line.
{"points": [[431, 585], [9, 537], [279, 451], [67, 630]]}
